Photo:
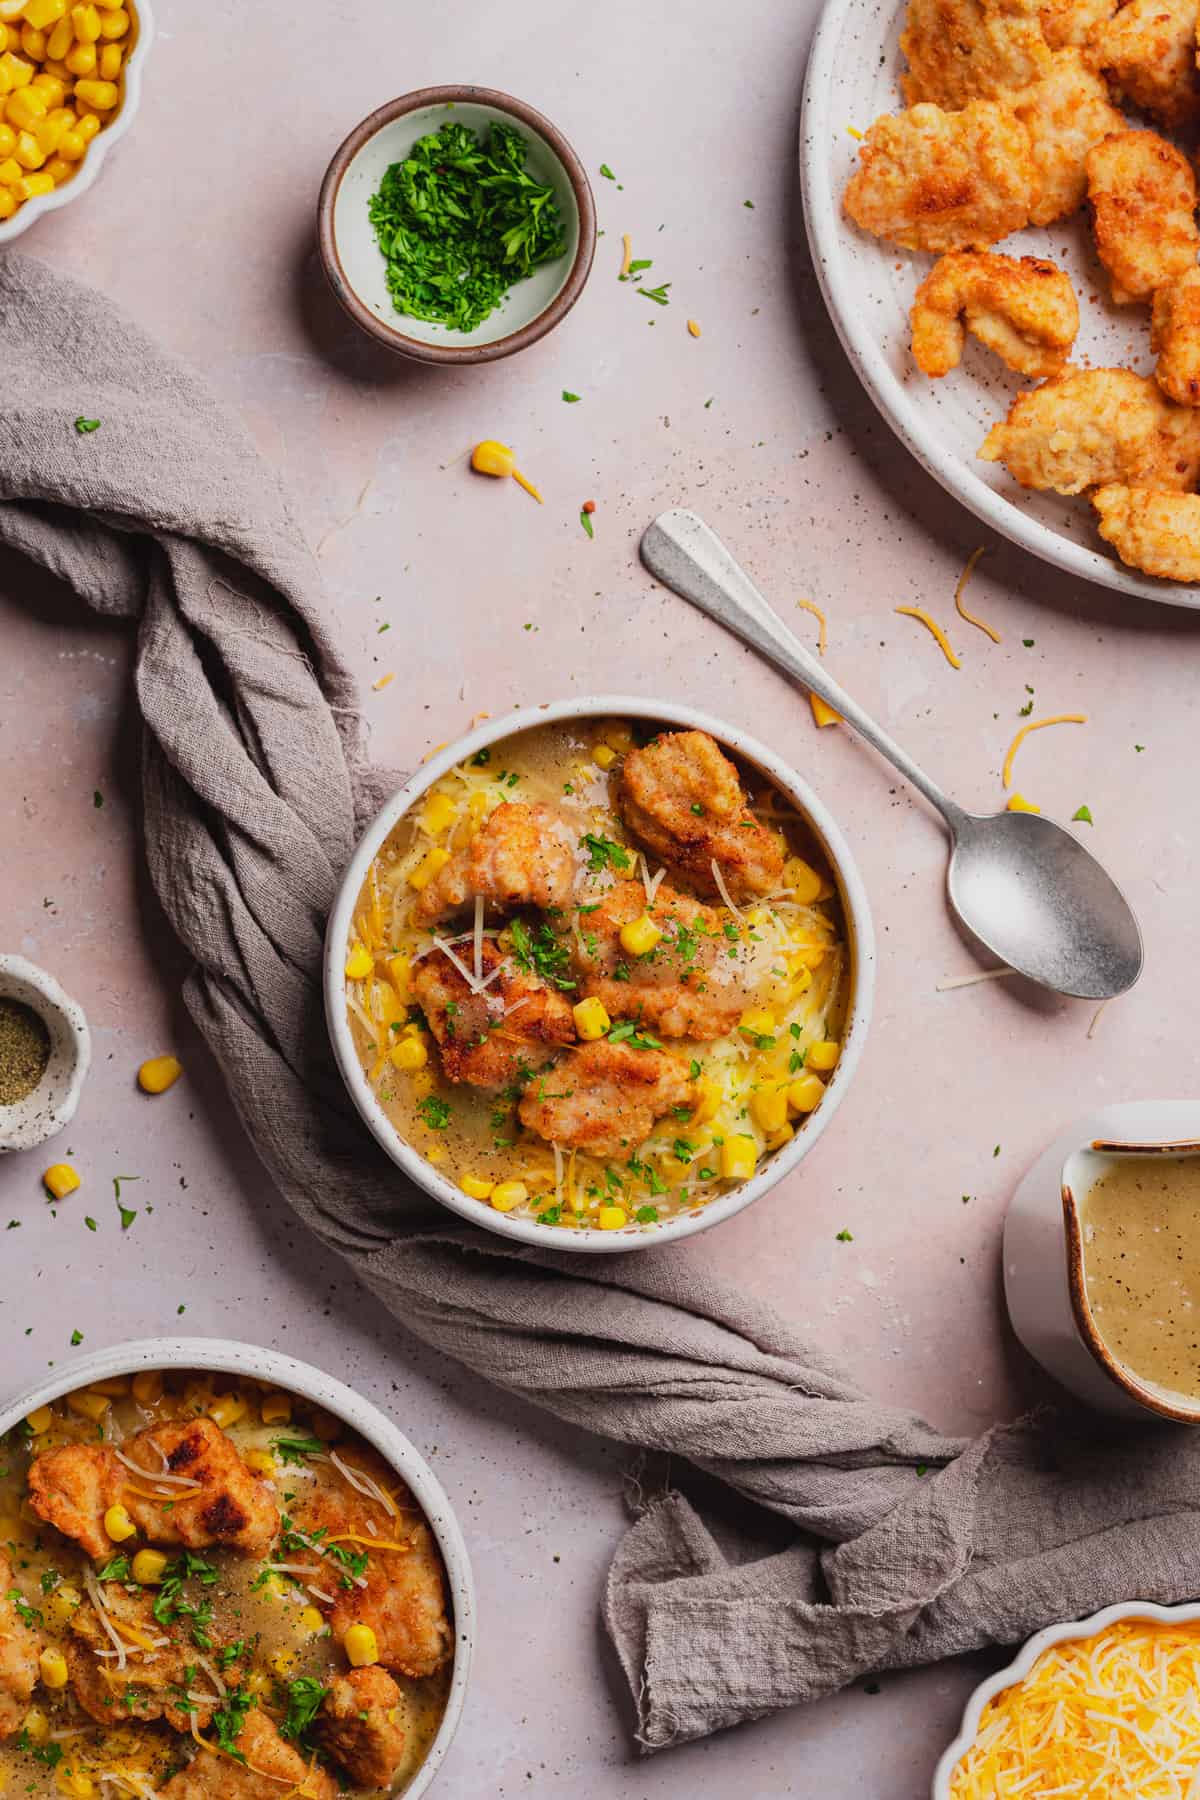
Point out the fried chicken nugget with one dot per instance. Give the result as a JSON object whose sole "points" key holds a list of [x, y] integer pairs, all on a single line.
{"points": [[1148, 51], [1157, 533], [1022, 308], [1175, 335], [934, 180], [960, 50], [1065, 114], [1072, 22], [1088, 427], [1143, 196]]}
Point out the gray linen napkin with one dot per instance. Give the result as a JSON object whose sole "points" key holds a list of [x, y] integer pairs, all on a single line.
{"points": [[908, 1546]]}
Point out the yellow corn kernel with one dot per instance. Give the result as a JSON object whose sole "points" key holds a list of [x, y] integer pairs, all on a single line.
{"points": [[311, 1621], [507, 1194], [29, 152], [119, 1525], [60, 1179], [36, 1725], [227, 1409], [75, 1784], [8, 140], [53, 1667], [88, 127], [591, 1019], [359, 963], [611, 1218], [769, 1108], [71, 148], [475, 1188], [26, 108], [262, 1463], [60, 40], [739, 1155], [708, 1102], [759, 1021], [48, 135], [823, 1056], [81, 59], [16, 71], [63, 1604], [325, 1426], [361, 1646], [431, 864], [803, 880], [33, 43], [8, 35], [604, 756], [149, 1567], [103, 95], [491, 458], [435, 1154], [8, 202], [805, 1093], [400, 969], [159, 1073], [276, 1409], [409, 1054], [1018, 803], [41, 13], [147, 1387], [284, 1661], [258, 1682], [59, 72], [640, 935], [54, 92], [439, 812], [422, 1084], [40, 1419], [85, 23], [115, 1386], [114, 23], [111, 58], [109, 5], [619, 735], [87, 1405], [779, 1138]]}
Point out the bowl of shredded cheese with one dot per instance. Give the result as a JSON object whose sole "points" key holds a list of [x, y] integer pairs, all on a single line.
{"points": [[1108, 1705]]}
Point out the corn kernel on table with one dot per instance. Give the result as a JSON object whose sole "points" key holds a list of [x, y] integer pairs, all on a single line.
{"points": [[885, 1245]]}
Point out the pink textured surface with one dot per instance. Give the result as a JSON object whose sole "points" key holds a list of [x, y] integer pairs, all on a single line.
{"points": [[203, 228]]}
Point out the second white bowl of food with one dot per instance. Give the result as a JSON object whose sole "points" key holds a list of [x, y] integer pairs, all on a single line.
{"points": [[599, 975], [222, 1572]]}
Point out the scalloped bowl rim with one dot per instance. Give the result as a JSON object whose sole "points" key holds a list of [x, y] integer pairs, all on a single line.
{"points": [[1021, 1664], [100, 146], [228, 1356], [860, 929]]}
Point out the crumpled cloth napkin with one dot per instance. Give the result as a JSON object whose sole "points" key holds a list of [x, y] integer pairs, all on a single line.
{"points": [[908, 1546]]}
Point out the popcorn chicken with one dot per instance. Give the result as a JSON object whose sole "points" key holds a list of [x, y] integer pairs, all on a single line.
{"points": [[1065, 114], [1148, 51], [1143, 196], [1022, 308], [960, 50], [1072, 22], [1175, 335], [1157, 533], [934, 180], [1088, 427]]}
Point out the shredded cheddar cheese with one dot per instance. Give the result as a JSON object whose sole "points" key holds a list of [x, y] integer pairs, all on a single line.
{"points": [[823, 714], [626, 255], [693, 326], [382, 682], [932, 626], [1036, 725], [1116, 1715], [960, 609], [808, 607], [854, 133]]}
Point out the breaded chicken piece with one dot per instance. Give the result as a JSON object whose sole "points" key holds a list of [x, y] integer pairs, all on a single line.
{"points": [[20, 1647], [1157, 533], [521, 856], [1175, 336], [484, 1039], [404, 1597], [684, 800], [361, 1726], [934, 180], [73, 1487], [1067, 23], [1065, 114], [605, 1098], [1148, 51], [273, 1770], [151, 1686], [1087, 427], [1024, 309], [1143, 196], [960, 50], [689, 985]]}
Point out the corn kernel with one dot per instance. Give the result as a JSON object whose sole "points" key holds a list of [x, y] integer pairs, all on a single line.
{"points": [[475, 1189], [29, 152], [611, 1218], [40, 1419], [17, 73], [739, 1155], [75, 1784], [87, 1405], [60, 1179], [258, 1682], [103, 95], [400, 970], [803, 880], [440, 812], [114, 23], [805, 1093], [284, 1661], [409, 1054], [604, 756], [477, 805], [422, 1084], [147, 1387], [53, 1666], [507, 1194], [26, 108], [640, 935], [276, 1409], [85, 23], [325, 1426], [361, 1646], [60, 40], [111, 57], [71, 147], [823, 1056], [63, 1604], [115, 1386], [159, 1073], [708, 1101], [431, 864], [769, 1108], [54, 92], [48, 134], [311, 1621], [36, 1725], [119, 1525], [779, 1138], [149, 1567], [359, 963], [591, 1019], [81, 59], [8, 202], [33, 43], [88, 127], [759, 1021], [8, 140], [41, 13], [227, 1409], [619, 735], [262, 1463]]}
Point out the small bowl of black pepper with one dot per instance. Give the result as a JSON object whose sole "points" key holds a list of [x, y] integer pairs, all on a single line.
{"points": [[45, 1049]]}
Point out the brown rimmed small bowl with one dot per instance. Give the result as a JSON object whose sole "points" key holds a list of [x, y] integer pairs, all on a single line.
{"points": [[355, 265]]}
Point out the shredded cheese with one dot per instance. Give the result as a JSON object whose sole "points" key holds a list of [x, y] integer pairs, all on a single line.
{"points": [[477, 938], [808, 607], [693, 326], [854, 132], [1037, 725], [960, 609], [1091, 1030], [373, 1543], [242, 1763], [722, 889], [932, 626], [363, 1484], [159, 1477], [1116, 1715], [626, 255], [383, 681], [950, 982]]}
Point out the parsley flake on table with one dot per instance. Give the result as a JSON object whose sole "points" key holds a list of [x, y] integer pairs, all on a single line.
{"points": [[77, 1337], [607, 172], [86, 426], [569, 397], [585, 519], [97, 798], [435, 1112], [844, 1236], [1084, 814], [657, 294]]}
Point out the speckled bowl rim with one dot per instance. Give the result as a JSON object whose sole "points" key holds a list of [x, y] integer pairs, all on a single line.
{"points": [[388, 335], [225, 1356], [860, 933], [102, 143], [70, 1015], [1024, 1661]]}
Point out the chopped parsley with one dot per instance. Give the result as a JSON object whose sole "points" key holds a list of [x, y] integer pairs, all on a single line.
{"points": [[626, 1032], [304, 1697], [77, 1337], [1085, 814], [607, 172], [86, 426], [27, 1614], [603, 853], [657, 294], [569, 397], [844, 1236], [646, 1215], [229, 1719], [297, 1449], [435, 1112], [116, 1569], [541, 952], [585, 519], [481, 758], [170, 1603]]}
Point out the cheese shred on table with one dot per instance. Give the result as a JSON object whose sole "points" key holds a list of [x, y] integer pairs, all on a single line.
{"points": [[960, 609], [1037, 725], [1116, 1715], [932, 626]]}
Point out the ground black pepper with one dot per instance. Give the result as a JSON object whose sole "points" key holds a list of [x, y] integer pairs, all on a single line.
{"points": [[24, 1051]]}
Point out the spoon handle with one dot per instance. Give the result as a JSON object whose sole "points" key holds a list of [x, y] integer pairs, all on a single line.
{"points": [[682, 552]]}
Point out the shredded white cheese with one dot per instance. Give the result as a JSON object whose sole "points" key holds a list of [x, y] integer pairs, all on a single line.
{"points": [[722, 889]]}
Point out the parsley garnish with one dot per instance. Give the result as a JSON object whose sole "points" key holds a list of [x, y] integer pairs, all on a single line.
{"points": [[844, 1236], [435, 1112], [85, 426], [170, 1604], [603, 853], [27, 1614], [626, 1032], [585, 519], [569, 397], [1085, 814], [229, 1719], [657, 294], [540, 951], [304, 1697], [116, 1569], [296, 1449], [646, 1215], [607, 172]]}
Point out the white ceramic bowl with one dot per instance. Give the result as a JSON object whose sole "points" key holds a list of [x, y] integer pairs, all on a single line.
{"points": [[859, 929], [1021, 1665], [227, 1358], [52, 1103], [354, 264], [853, 77], [103, 142]]}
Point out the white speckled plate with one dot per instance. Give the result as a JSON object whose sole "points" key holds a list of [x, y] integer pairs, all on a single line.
{"points": [[868, 286]]}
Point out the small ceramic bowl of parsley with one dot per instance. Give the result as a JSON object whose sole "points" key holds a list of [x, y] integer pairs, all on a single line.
{"points": [[456, 225]]}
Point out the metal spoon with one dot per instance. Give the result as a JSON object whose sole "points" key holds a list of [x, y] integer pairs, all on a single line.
{"points": [[1022, 885]]}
